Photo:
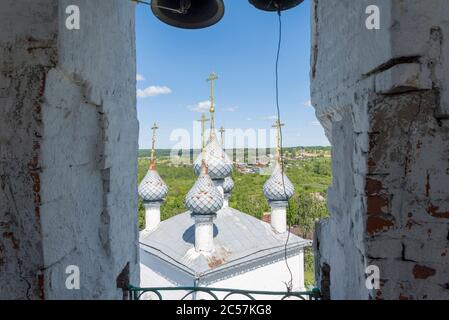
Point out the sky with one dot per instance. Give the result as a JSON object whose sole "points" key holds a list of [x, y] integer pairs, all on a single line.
{"points": [[173, 65]]}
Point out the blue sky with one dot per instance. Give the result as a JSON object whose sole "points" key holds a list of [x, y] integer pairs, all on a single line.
{"points": [[173, 64]]}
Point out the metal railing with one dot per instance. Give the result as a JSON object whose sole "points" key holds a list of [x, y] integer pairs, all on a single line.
{"points": [[136, 293]]}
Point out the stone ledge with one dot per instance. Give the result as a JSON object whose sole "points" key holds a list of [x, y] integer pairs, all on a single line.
{"points": [[403, 78]]}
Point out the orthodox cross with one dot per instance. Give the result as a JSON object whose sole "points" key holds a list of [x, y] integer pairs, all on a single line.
{"points": [[222, 132], [212, 78], [278, 125], [203, 121], [153, 142]]}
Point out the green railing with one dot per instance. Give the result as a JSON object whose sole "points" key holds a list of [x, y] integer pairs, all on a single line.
{"points": [[137, 293]]}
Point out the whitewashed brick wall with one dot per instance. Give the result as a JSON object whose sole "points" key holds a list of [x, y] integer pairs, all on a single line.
{"points": [[383, 98], [68, 134]]}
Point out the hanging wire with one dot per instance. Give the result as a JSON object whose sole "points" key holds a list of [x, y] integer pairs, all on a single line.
{"points": [[180, 11], [142, 2], [288, 284]]}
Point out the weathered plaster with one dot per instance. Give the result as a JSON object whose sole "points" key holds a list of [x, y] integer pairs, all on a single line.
{"points": [[68, 147], [382, 96]]}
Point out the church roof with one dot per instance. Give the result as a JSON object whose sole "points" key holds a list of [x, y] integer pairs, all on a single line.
{"points": [[242, 243]]}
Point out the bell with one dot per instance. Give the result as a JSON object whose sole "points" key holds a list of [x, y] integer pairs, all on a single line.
{"points": [[275, 5], [188, 14]]}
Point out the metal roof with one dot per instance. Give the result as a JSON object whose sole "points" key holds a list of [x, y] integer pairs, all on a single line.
{"points": [[242, 242]]}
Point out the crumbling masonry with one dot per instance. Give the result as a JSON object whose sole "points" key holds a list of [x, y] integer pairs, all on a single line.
{"points": [[68, 149], [383, 98]]}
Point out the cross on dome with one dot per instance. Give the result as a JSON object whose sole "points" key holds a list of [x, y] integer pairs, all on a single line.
{"points": [[204, 198], [152, 188], [222, 132], [219, 165], [153, 142], [278, 125], [212, 78], [278, 187], [203, 121]]}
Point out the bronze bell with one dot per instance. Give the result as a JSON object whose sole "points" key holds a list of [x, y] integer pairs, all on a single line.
{"points": [[275, 5], [188, 14]]}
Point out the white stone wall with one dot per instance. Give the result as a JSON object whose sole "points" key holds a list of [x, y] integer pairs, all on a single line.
{"points": [[27, 53], [272, 277], [382, 97], [155, 272], [68, 138]]}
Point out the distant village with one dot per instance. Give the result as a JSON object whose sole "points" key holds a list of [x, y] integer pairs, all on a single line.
{"points": [[254, 164], [290, 155]]}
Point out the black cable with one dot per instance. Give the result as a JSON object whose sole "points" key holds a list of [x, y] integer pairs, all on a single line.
{"points": [[289, 285], [181, 10], [142, 2]]}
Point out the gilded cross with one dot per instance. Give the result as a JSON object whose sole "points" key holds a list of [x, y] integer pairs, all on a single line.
{"points": [[222, 132], [212, 78], [278, 125], [203, 121], [154, 128]]}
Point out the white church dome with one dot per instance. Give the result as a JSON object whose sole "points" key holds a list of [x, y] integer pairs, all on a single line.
{"points": [[204, 198], [228, 185], [273, 189], [218, 162], [152, 188]]}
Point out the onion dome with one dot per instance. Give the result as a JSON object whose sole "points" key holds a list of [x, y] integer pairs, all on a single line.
{"points": [[273, 189], [218, 162], [228, 185], [152, 188], [204, 198]]}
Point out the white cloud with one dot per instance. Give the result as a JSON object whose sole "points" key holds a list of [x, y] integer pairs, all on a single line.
{"points": [[231, 109], [153, 91], [249, 119], [316, 123], [202, 106], [140, 77], [308, 103], [270, 118]]}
